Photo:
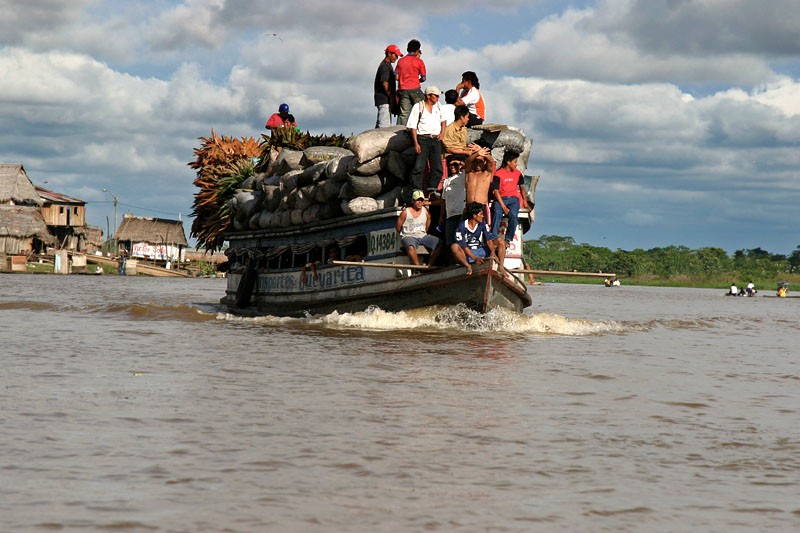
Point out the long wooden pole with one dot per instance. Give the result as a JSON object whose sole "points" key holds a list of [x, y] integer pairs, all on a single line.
{"points": [[564, 273], [383, 265]]}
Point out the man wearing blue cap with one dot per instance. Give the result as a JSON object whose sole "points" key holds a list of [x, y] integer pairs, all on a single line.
{"points": [[281, 118]]}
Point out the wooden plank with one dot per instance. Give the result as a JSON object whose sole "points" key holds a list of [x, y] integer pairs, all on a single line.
{"points": [[383, 265], [564, 273]]}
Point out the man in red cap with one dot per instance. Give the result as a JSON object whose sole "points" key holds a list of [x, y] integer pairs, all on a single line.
{"points": [[385, 95], [411, 74]]}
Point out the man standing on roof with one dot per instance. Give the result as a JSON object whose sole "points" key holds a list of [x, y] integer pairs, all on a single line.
{"points": [[411, 74], [281, 118], [426, 125], [385, 87]]}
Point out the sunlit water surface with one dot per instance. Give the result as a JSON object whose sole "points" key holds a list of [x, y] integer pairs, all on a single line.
{"points": [[138, 404]]}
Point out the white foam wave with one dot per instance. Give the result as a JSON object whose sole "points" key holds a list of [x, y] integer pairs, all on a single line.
{"points": [[441, 318]]}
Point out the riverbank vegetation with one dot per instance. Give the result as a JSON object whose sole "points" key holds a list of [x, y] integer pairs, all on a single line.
{"points": [[676, 266]]}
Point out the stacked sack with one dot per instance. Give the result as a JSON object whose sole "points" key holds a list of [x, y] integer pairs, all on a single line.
{"points": [[324, 182]]}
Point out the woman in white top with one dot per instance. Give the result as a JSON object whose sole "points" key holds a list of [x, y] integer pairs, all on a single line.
{"points": [[470, 96]]}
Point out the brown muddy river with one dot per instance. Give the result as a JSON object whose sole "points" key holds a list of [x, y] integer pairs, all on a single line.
{"points": [[135, 404]]}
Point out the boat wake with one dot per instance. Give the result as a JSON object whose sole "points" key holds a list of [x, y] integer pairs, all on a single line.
{"points": [[457, 318]]}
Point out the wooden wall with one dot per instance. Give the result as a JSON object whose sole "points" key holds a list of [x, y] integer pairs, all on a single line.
{"points": [[64, 215]]}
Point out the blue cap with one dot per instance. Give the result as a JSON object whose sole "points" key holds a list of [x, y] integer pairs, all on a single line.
{"points": [[284, 108]]}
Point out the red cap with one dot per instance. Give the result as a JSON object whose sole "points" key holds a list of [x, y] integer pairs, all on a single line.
{"points": [[394, 49]]}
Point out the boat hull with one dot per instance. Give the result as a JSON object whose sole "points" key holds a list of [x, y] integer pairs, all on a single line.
{"points": [[483, 290], [257, 285]]}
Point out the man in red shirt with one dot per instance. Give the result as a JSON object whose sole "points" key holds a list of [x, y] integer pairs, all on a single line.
{"points": [[508, 191], [411, 74], [281, 118]]}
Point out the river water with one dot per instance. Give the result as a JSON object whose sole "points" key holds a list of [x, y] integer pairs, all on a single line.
{"points": [[136, 404]]}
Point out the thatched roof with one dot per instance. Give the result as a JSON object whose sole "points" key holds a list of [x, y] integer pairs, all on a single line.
{"points": [[15, 186], [94, 234], [22, 222], [151, 230]]}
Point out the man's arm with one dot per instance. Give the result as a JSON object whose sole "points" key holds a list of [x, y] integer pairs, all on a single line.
{"points": [[471, 160], [413, 122], [400, 221], [523, 197]]}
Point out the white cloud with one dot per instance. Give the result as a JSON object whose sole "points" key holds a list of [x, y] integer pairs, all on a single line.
{"points": [[632, 122]]}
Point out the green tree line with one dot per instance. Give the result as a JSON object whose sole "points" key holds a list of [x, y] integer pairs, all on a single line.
{"points": [[552, 252]]}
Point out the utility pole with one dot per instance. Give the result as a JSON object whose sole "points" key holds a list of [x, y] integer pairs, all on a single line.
{"points": [[116, 201]]}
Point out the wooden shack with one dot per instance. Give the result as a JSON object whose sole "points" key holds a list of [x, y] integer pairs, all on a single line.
{"points": [[22, 227], [66, 220], [157, 239]]}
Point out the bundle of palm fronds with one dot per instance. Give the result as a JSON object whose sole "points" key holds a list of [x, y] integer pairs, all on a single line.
{"points": [[222, 164], [291, 138]]}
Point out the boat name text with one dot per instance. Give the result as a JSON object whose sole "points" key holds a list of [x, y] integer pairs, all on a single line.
{"points": [[327, 278]]}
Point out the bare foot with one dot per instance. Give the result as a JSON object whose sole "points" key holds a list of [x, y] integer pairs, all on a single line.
{"points": [[469, 270]]}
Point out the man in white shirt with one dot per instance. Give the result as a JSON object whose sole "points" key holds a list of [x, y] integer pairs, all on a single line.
{"points": [[449, 106], [426, 125]]}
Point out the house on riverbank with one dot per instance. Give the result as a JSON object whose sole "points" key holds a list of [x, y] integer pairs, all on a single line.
{"points": [[22, 226], [66, 221], [152, 238]]}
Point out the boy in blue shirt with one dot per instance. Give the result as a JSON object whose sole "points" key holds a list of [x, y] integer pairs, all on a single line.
{"points": [[473, 241]]}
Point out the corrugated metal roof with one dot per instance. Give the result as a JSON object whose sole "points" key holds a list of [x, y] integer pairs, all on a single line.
{"points": [[53, 197]]}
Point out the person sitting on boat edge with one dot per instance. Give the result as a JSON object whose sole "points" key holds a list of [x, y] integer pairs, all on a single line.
{"points": [[751, 288], [783, 288], [473, 242], [734, 290], [413, 225], [508, 191]]}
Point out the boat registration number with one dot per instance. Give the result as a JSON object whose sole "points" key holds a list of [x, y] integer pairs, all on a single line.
{"points": [[383, 242]]}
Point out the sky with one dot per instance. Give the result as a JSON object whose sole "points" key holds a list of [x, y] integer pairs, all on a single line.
{"points": [[654, 122]]}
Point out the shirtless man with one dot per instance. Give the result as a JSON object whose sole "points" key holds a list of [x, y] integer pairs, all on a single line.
{"points": [[480, 169]]}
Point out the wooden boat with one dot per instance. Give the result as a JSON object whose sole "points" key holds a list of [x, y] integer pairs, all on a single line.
{"points": [[298, 270]]}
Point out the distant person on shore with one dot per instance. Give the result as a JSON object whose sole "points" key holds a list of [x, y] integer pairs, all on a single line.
{"points": [[426, 126], [385, 87], [411, 74], [473, 242], [281, 118], [734, 290], [508, 191], [470, 96], [413, 225], [751, 288]]}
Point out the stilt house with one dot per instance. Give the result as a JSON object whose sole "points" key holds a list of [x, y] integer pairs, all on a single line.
{"points": [[66, 220]]}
